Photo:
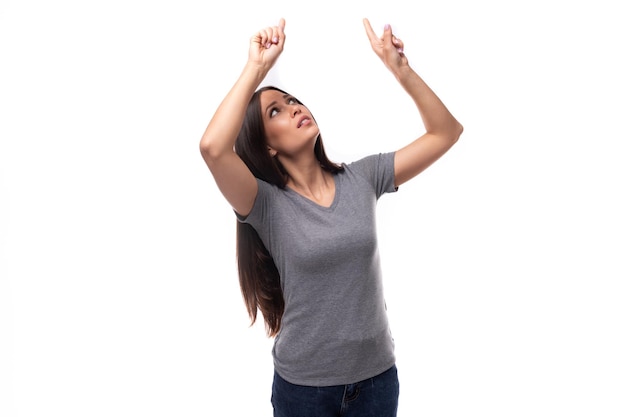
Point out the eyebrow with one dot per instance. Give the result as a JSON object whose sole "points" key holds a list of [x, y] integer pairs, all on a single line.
{"points": [[273, 103]]}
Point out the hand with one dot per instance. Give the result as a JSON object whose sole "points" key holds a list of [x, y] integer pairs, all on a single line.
{"points": [[267, 45], [388, 48]]}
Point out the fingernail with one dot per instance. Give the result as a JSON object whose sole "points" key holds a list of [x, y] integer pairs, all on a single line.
{"points": [[275, 39], [387, 26], [267, 45]]}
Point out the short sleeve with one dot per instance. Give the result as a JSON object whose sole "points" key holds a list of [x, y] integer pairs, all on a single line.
{"points": [[378, 170]]}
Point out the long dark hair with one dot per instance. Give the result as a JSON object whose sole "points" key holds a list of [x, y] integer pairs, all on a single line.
{"points": [[258, 276]]}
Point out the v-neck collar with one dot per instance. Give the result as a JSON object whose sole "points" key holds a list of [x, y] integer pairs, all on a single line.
{"points": [[334, 201]]}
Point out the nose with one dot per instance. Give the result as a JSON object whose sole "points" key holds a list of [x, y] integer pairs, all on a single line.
{"points": [[295, 109]]}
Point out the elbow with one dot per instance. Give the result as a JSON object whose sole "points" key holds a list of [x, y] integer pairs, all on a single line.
{"points": [[449, 132], [206, 149], [459, 131], [455, 132], [210, 150]]}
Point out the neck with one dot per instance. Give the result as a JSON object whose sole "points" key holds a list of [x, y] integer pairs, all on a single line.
{"points": [[307, 176], [310, 180]]}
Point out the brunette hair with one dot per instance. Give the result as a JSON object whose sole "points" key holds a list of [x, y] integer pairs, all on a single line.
{"points": [[258, 276]]}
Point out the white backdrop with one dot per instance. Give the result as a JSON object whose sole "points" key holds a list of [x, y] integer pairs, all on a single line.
{"points": [[504, 261]]}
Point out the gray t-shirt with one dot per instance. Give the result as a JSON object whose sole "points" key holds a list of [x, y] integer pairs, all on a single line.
{"points": [[334, 329]]}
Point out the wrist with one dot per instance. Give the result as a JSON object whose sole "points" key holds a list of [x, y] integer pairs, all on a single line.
{"points": [[402, 73], [256, 69]]}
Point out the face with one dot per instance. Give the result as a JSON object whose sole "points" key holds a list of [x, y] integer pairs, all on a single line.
{"points": [[289, 126]]}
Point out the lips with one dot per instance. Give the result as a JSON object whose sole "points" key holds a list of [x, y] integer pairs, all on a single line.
{"points": [[303, 121]]}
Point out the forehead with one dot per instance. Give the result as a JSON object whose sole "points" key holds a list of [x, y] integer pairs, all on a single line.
{"points": [[268, 96]]}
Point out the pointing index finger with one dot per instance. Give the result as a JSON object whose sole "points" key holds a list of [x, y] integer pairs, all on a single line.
{"points": [[368, 29]]}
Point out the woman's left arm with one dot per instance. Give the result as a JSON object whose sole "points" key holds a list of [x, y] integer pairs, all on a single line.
{"points": [[442, 129]]}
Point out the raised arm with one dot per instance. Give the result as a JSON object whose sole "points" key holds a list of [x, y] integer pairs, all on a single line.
{"points": [[232, 176], [442, 129]]}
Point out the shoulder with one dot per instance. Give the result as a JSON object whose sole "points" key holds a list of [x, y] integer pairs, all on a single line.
{"points": [[372, 161], [267, 197], [376, 169], [372, 165]]}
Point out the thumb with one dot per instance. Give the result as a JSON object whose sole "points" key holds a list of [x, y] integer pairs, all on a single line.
{"points": [[387, 34]]}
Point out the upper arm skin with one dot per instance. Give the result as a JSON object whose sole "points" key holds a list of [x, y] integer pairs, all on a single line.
{"points": [[234, 180], [421, 153]]}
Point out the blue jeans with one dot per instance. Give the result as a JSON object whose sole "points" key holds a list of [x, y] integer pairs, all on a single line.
{"points": [[373, 397]]}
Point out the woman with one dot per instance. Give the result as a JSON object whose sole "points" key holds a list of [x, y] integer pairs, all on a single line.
{"points": [[306, 235]]}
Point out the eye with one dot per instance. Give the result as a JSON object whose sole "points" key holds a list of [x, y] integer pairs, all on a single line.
{"points": [[273, 112], [292, 100]]}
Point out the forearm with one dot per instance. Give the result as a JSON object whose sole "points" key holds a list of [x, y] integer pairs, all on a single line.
{"points": [[435, 115], [221, 133]]}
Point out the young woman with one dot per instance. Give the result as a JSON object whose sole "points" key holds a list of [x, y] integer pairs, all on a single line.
{"points": [[306, 235]]}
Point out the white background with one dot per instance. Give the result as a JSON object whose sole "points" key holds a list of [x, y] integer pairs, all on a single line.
{"points": [[503, 263]]}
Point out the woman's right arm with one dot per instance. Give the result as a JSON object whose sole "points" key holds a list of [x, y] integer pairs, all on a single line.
{"points": [[232, 176]]}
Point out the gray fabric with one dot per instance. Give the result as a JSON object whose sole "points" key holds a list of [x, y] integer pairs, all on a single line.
{"points": [[334, 329]]}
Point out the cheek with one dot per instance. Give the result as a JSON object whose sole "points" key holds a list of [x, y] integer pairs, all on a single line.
{"points": [[275, 131]]}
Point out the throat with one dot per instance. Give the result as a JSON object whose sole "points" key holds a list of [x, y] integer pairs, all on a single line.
{"points": [[321, 193]]}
